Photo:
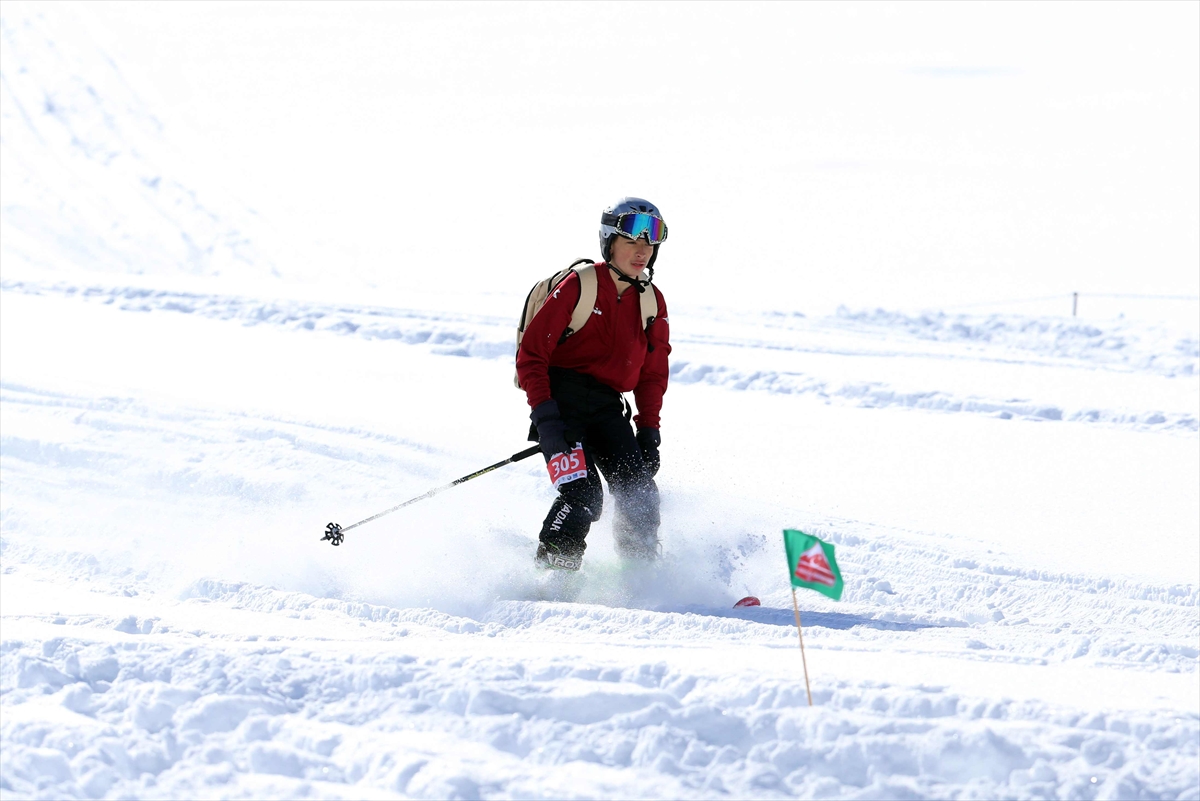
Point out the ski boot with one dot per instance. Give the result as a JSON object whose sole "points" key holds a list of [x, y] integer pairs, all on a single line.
{"points": [[557, 557], [633, 542], [633, 547]]}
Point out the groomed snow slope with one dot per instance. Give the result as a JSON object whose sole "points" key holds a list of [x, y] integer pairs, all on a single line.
{"points": [[1020, 617]]}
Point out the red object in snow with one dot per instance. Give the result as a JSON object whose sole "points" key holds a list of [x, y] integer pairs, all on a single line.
{"points": [[749, 600]]}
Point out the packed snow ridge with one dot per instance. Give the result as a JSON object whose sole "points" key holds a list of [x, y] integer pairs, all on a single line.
{"points": [[724, 345]]}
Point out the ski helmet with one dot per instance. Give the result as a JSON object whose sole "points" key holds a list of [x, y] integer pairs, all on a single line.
{"points": [[609, 230]]}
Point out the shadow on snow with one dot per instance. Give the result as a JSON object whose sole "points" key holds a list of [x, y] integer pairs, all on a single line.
{"points": [[828, 620]]}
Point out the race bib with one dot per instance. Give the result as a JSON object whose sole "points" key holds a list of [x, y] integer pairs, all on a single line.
{"points": [[567, 466]]}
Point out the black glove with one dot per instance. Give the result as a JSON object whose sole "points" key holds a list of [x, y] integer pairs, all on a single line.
{"points": [[550, 428], [648, 439]]}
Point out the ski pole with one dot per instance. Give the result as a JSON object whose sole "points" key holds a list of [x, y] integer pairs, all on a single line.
{"points": [[335, 533]]}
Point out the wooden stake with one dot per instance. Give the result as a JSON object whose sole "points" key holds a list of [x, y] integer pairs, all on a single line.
{"points": [[800, 631]]}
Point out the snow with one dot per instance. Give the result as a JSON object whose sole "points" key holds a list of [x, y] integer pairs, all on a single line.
{"points": [[98, 182], [1014, 497]]}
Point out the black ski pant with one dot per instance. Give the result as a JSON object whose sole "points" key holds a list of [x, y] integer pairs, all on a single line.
{"points": [[595, 414]]}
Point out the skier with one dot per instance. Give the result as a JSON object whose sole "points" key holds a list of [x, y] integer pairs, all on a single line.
{"points": [[574, 380]]}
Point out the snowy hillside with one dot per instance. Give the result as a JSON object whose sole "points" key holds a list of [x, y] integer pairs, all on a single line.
{"points": [[1014, 498], [90, 182]]}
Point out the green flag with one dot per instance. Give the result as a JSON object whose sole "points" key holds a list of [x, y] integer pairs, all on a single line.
{"points": [[811, 563]]}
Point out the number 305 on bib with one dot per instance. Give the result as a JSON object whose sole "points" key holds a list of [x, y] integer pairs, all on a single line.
{"points": [[567, 466]]}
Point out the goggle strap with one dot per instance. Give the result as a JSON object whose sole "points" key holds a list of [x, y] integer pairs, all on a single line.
{"points": [[615, 219]]}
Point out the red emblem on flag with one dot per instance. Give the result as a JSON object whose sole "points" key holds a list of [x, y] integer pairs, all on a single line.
{"points": [[813, 567]]}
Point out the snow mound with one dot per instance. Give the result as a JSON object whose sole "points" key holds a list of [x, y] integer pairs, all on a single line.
{"points": [[838, 359], [142, 714], [1138, 346]]}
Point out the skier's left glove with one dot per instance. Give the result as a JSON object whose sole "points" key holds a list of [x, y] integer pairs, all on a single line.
{"points": [[551, 429], [648, 439]]}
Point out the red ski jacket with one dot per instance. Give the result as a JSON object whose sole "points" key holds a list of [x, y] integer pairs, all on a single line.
{"points": [[612, 347]]}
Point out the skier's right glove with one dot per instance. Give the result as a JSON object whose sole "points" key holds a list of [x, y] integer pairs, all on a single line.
{"points": [[550, 428], [648, 439]]}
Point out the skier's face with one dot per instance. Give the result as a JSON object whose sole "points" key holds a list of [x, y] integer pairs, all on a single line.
{"points": [[630, 256]]}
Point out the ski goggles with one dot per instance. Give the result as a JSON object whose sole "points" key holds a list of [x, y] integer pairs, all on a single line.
{"points": [[636, 224]]}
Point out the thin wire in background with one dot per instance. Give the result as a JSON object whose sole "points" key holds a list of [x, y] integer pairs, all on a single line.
{"points": [[1193, 298], [1068, 296]]}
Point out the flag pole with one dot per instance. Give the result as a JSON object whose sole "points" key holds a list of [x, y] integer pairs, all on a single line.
{"points": [[800, 631]]}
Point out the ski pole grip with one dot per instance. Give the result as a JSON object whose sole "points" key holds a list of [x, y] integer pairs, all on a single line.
{"points": [[525, 454]]}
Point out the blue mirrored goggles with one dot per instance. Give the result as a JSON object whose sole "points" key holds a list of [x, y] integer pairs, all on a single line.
{"points": [[637, 224]]}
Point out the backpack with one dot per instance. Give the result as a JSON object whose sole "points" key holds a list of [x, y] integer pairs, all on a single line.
{"points": [[586, 269]]}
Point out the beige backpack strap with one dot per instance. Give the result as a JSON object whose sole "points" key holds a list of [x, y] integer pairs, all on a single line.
{"points": [[587, 298], [649, 304]]}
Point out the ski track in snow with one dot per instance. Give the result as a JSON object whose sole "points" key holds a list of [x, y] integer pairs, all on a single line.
{"points": [[714, 352]]}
